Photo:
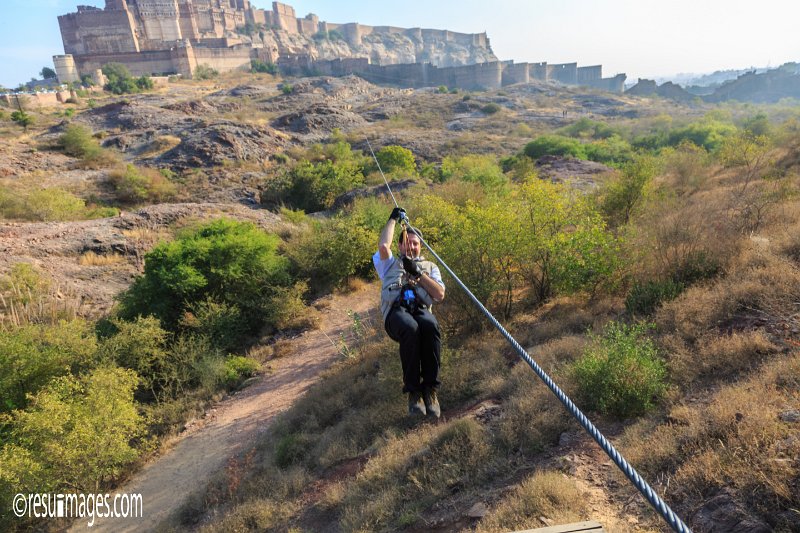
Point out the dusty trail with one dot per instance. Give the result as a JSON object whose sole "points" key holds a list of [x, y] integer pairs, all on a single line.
{"points": [[236, 422]]}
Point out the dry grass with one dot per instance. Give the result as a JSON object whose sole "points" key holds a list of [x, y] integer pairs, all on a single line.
{"points": [[93, 259], [735, 439], [29, 296], [550, 495], [412, 472], [533, 418]]}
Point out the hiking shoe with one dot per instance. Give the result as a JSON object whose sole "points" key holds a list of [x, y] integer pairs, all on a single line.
{"points": [[432, 403], [416, 407]]}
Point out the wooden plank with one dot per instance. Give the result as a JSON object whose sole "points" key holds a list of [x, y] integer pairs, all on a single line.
{"points": [[578, 527]]}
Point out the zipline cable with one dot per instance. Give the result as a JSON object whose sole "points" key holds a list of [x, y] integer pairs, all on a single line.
{"points": [[630, 472], [382, 174]]}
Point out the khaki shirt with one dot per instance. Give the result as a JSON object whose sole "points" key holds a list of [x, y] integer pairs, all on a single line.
{"points": [[393, 276]]}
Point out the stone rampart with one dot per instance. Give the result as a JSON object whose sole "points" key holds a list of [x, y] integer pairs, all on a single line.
{"points": [[566, 73], [224, 59], [516, 73], [587, 74]]}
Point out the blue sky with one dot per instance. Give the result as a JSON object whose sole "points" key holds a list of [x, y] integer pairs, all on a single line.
{"points": [[642, 38]]}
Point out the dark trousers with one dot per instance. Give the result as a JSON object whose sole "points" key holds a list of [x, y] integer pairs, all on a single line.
{"points": [[420, 347]]}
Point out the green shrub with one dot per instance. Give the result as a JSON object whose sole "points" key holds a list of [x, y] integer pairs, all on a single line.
{"points": [[330, 252], [396, 159], [257, 65], [76, 435], [475, 169], [22, 118], [295, 216], [708, 133], [313, 187], [287, 88], [586, 128], [644, 298], [291, 449], [288, 309], [140, 345], [32, 355], [610, 150], [621, 372], [221, 322], [238, 368], [491, 108], [442, 89], [233, 263], [77, 141], [53, 204], [120, 80], [134, 185], [204, 72], [554, 145]]}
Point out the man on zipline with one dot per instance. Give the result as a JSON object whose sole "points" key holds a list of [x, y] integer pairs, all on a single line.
{"points": [[410, 285]]}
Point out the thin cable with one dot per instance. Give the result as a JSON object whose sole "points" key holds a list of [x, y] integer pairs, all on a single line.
{"points": [[382, 174]]}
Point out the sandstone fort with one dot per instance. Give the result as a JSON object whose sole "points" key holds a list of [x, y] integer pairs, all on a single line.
{"points": [[176, 36]]}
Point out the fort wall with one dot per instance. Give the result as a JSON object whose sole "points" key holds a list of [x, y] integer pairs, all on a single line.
{"points": [[223, 59], [566, 73], [516, 73], [587, 74]]}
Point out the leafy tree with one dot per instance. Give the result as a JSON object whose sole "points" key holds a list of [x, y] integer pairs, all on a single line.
{"points": [[396, 159], [47, 73], [231, 262], [22, 118], [568, 248], [625, 194]]}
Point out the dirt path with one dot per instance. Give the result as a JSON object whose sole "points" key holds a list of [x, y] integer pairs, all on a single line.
{"points": [[236, 422]]}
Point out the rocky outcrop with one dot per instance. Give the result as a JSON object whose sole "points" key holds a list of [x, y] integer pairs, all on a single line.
{"points": [[382, 48], [666, 90]]}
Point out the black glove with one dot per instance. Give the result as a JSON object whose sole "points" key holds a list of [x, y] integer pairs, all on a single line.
{"points": [[398, 213], [411, 267]]}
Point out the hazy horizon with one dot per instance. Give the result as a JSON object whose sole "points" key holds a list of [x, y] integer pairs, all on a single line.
{"points": [[640, 38]]}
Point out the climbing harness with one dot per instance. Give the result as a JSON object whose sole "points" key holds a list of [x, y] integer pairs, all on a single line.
{"points": [[647, 491]]}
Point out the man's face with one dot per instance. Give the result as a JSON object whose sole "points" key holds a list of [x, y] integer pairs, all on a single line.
{"points": [[412, 246]]}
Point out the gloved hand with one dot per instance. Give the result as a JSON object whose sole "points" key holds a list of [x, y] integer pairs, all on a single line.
{"points": [[411, 267], [398, 213]]}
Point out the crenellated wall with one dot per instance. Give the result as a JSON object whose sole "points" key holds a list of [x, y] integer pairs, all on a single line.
{"points": [[481, 76]]}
